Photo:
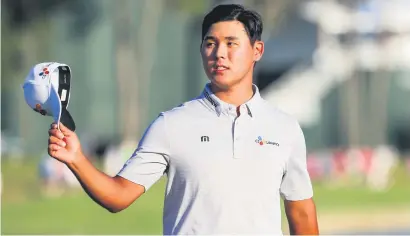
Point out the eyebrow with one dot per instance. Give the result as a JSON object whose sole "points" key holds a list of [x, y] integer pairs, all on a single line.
{"points": [[226, 38]]}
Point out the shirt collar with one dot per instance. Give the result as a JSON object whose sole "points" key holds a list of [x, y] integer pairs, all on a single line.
{"points": [[221, 107]]}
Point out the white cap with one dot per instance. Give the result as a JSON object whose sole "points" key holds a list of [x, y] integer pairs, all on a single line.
{"points": [[47, 91]]}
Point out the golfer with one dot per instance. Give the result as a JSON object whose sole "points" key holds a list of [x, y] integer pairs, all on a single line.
{"points": [[228, 155]]}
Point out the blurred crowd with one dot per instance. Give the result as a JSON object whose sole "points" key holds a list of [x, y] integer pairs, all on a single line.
{"points": [[361, 166], [371, 168], [368, 167]]}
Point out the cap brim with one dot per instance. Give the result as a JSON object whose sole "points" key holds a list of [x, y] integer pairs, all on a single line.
{"points": [[59, 113], [67, 120]]}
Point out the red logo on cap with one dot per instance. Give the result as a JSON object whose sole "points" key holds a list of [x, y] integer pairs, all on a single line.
{"points": [[44, 73], [40, 110]]}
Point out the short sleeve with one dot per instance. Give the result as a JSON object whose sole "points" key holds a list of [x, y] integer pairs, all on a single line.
{"points": [[150, 160], [296, 183]]}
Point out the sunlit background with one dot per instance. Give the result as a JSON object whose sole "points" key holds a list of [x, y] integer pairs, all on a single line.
{"points": [[341, 67]]}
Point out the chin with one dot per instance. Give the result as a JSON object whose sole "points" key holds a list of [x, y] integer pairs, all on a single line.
{"points": [[222, 83]]}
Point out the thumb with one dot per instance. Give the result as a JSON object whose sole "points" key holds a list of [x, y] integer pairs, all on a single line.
{"points": [[66, 131]]}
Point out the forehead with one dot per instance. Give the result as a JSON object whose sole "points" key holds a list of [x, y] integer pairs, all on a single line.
{"points": [[226, 29]]}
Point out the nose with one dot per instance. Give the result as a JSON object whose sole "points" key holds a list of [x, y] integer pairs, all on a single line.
{"points": [[221, 51]]}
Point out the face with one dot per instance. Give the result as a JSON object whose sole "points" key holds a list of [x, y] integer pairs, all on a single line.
{"points": [[227, 54]]}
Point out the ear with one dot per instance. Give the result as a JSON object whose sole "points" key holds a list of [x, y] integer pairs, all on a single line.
{"points": [[258, 48]]}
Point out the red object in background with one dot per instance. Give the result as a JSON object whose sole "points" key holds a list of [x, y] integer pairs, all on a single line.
{"points": [[315, 167], [367, 154], [339, 161]]}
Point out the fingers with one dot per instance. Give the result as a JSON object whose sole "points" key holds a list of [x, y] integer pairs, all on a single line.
{"points": [[57, 141], [52, 149], [66, 131], [63, 129], [53, 131]]}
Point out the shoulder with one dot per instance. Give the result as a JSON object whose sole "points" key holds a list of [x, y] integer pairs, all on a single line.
{"points": [[171, 120], [279, 116], [186, 111], [285, 122]]}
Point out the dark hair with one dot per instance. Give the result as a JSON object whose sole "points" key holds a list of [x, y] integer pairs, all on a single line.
{"points": [[251, 20]]}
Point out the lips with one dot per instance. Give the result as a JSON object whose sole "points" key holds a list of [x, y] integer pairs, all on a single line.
{"points": [[219, 68]]}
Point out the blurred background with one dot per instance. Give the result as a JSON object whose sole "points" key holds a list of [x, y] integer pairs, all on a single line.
{"points": [[341, 67]]}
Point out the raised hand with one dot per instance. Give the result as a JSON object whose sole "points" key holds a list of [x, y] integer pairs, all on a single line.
{"points": [[63, 144]]}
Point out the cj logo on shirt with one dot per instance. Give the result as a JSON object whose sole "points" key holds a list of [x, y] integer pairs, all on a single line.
{"points": [[261, 141]]}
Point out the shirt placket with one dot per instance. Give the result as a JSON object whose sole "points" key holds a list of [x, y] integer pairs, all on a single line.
{"points": [[238, 128]]}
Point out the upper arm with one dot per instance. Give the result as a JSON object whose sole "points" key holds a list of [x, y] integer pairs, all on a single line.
{"points": [[302, 217], [305, 205], [150, 160], [296, 184], [132, 190]]}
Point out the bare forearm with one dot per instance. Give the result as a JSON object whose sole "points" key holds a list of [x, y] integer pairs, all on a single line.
{"points": [[112, 193], [102, 188], [302, 217], [303, 225]]}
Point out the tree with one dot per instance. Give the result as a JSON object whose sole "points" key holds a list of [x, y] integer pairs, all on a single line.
{"points": [[135, 56]]}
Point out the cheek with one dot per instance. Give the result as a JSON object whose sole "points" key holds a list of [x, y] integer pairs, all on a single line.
{"points": [[203, 54], [205, 58], [206, 55], [240, 58]]}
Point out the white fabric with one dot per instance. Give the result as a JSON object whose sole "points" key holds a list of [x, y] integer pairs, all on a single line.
{"points": [[225, 173], [41, 89]]}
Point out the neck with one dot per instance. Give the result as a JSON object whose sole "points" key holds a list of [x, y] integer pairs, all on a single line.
{"points": [[236, 95]]}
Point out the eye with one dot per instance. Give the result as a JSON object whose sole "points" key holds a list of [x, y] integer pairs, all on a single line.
{"points": [[209, 44], [230, 44]]}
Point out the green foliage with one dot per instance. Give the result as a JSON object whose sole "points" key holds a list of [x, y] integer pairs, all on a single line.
{"points": [[193, 7]]}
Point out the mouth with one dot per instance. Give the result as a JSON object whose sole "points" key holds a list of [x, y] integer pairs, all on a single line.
{"points": [[219, 68]]}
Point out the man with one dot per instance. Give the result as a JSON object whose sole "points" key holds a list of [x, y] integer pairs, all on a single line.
{"points": [[228, 155]]}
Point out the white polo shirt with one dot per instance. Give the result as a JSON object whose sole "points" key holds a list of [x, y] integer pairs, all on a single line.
{"points": [[226, 173]]}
